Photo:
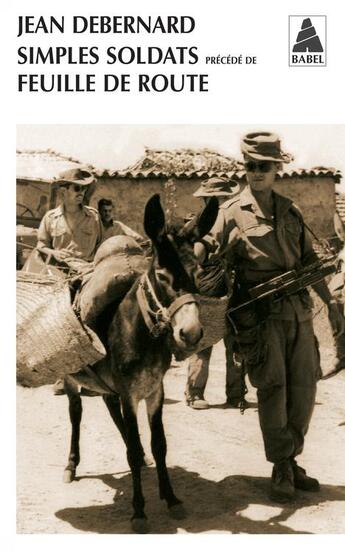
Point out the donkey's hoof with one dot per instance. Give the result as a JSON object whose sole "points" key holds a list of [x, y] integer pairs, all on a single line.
{"points": [[140, 525], [177, 511], [68, 476]]}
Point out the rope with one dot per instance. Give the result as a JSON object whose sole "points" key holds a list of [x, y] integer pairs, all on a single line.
{"points": [[34, 278], [69, 274], [26, 245], [318, 312], [323, 243], [161, 310]]}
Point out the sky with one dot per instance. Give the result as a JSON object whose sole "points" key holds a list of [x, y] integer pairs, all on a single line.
{"points": [[119, 146]]}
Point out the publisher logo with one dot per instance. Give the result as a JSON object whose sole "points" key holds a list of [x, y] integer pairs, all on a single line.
{"points": [[307, 40]]}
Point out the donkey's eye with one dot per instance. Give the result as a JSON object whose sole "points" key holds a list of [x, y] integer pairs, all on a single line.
{"points": [[165, 278]]}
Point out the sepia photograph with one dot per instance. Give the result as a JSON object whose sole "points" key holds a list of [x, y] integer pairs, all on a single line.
{"points": [[180, 329]]}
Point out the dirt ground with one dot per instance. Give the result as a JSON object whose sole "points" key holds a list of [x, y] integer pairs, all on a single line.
{"points": [[215, 457]]}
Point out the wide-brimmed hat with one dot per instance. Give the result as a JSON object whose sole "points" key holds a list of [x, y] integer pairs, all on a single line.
{"points": [[217, 186], [78, 175], [264, 146]]}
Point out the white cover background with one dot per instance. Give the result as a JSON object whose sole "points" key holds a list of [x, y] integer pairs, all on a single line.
{"points": [[269, 93]]}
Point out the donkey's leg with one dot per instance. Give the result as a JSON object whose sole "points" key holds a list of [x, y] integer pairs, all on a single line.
{"points": [[114, 406], [159, 448], [75, 412], [134, 457]]}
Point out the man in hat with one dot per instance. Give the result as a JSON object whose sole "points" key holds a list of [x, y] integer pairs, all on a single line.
{"points": [[198, 365], [260, 234], [71, 233]]}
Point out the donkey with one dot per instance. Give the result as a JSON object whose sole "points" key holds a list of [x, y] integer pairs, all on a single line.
{"points": [[157, 317]]}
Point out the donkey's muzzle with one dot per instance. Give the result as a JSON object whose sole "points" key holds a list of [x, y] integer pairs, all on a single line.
{"points": [[192, 337]]}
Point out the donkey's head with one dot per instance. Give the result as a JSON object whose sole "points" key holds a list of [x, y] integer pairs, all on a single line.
{"points": [[173, 272]]}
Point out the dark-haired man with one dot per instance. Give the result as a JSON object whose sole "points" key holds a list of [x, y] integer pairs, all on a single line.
{"points": [[113, 227], [71, 233]]}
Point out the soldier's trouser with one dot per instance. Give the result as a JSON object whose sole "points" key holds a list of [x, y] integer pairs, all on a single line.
{"points": [[198, 370], [286, 386]]}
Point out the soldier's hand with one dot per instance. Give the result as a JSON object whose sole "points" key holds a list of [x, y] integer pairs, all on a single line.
{"points": [[200, 252], [61, 254], [336, 319]]}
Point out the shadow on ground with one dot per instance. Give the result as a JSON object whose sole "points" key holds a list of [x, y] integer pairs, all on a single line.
{"points": [[211, 506], [225, 406], [171, 401]]}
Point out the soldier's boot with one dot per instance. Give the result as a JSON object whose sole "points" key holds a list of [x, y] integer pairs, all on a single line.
{"points": [[236, 403], [302, 480], [282, 482]]}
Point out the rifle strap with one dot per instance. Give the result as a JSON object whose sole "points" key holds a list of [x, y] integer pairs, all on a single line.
{"points": [[305, 225], [315, 236]]}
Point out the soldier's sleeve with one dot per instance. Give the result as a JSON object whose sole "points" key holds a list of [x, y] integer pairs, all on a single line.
{"points": [[44, 238], [214, 239], [222, 237], [308, 253]]}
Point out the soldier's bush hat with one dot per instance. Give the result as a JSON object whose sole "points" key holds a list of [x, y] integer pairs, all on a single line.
{"points": [[77, 175], [217, 186], [264, 146]]}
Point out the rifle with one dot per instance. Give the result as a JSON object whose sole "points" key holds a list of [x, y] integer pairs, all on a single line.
{"points": [[290, 283]]}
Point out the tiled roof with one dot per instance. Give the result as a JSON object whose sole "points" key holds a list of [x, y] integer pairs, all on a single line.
{"points": [[43, 166], [184, 163], [179, 163], [204, 163], [293, 173], [340, 206]]}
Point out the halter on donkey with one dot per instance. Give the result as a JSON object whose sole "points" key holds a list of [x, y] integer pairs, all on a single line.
{"points": [[158, 316]]}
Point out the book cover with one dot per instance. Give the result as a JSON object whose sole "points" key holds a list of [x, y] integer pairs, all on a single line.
{"points": [[121, 103]]}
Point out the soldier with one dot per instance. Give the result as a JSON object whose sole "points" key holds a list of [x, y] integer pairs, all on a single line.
{"points": [[71, 233], [261, 234], [198, 364]]}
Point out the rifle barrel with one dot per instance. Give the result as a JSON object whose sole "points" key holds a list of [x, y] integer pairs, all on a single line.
{"points": [[294, 283]]}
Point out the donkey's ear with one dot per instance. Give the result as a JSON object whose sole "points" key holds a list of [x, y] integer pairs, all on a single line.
{"points": [[202, 223], [154, 219]]}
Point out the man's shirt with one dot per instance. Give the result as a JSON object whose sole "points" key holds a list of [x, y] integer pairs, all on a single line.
{"points": [[117, 228], [82, 242], [258, 248]]}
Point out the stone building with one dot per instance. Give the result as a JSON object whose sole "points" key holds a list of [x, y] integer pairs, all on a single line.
{"points": [[313, 190], [35, 174], [175, 175]]}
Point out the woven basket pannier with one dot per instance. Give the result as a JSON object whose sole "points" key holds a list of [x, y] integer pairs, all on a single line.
{"points": [[213, 319], [51, 341]]}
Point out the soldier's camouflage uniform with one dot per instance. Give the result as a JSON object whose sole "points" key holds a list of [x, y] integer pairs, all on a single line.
{"points": [[276, 339]]}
